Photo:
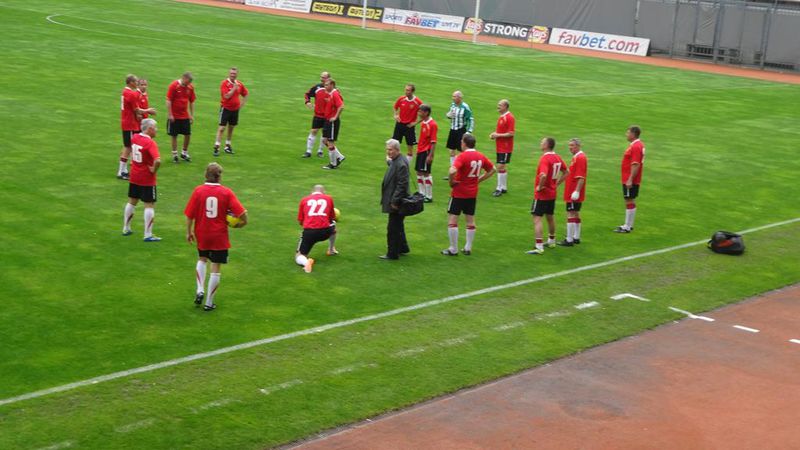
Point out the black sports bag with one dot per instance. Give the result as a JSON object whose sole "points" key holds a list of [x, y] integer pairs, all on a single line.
{"points": [[412, 205], [726, 243]]}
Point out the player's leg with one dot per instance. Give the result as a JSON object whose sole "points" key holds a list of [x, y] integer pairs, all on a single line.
{"points": [[332, 242], [229, 139], [337, 125], [124, 155], [127, 217], [501, 175], [470, 219], [200, 276], [310, 140], [551, 228], [174, 145], [185, 150], [218, 257], [307, 241], [630, 194], [421, 183], [217, 143], [576, 228], [536, 213], [452, 227], [149, 218], [428, 180], [570, 238]]}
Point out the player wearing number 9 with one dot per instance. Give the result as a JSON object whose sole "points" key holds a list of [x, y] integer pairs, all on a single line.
{"points": [[207, 225], [317, 216]]}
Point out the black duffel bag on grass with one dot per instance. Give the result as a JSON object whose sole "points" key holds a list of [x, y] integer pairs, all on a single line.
{"points": [[412, 205], [726, 243]]}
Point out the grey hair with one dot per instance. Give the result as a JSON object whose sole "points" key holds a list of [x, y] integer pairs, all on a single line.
{"points": [[147, 124], [393, 143], [458, 94], [575, 141]]}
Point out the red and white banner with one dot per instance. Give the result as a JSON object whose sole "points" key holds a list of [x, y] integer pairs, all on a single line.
{"points": [[599, 41], [286, 5], [439, 22]]}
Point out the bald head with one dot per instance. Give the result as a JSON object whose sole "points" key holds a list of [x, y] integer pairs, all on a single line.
{"points": [[318, 188], [502, 106], [457, 97], [324, 76]]}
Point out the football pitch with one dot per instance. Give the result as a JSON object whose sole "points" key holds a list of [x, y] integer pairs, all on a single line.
{"points": [[82, 301]]}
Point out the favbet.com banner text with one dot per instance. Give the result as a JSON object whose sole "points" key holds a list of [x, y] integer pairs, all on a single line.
{"points": [[625, 45]]}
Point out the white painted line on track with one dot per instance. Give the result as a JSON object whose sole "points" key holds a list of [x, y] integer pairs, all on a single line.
{"points": [[794, 341], [692, 316], [748, 329], [587, 305], [368, 318]]}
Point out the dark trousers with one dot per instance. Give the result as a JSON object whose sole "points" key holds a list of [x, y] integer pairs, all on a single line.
{"points": [[396, 236]]}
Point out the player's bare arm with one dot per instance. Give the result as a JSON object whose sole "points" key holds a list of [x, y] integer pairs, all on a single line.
{"points": [[155, 166], [189, 230], [397, 114], [429, 159], [242, 221], [486, 175], [169, 111], [452, 176], [191, 112], [542, 181], [562, 177], [244, 100]]}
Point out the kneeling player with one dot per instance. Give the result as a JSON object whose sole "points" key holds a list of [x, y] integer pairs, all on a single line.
{"points": [[318, 219], [207, 224]]}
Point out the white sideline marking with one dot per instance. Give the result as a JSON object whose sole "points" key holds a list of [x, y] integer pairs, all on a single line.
{"points": [[135, 425], [794, 341], [60, 445], [278, 387], [692, 316], [748, 329], [456, 340], [561, 313], [214, 404], [369, 318], [409, 352], [629, 295], [587, 305], [353, 368], [508, 326]]}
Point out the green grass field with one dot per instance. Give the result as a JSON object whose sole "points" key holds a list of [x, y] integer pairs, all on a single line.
{"points": [[81, 301]]}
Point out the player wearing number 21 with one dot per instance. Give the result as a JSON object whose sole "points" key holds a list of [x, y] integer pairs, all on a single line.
{"points": [[207, 225], [469, 169], [142, 183], [549, 175], [317, 217]]}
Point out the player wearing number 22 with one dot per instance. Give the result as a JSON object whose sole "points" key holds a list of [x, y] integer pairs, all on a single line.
{"points": [[318, 219], [465, 175], [549, 175], [142, 183], [207, 224]]}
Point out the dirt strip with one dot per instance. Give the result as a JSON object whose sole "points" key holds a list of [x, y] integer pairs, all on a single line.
{"points": [[780, 77], [694, 384]]}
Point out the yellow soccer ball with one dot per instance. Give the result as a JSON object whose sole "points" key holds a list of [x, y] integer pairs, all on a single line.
{"points": [[336, 213], [232, 220]]}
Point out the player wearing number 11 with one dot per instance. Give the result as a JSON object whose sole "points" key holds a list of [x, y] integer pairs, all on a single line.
{"points": [[207, 225]]}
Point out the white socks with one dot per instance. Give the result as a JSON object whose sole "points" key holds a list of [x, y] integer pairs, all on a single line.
{"points": [[338, 154], [452, 160], [300, 260], [332, 157], [310, 142], [470, 238], [201, 275], [149, 215], [576, 230], [502, 181], [428, 186], [452, 232], [123, 166], [127, 217], [630, 215], [332, 242], [213, 284], [570, 231]]}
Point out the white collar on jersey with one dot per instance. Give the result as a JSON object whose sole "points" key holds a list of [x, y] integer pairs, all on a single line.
{"points": [[141, 133], [551, 152], [469, 150], [212, 184], [636, 140], [427, 120], [580, 152], [501, 115]]}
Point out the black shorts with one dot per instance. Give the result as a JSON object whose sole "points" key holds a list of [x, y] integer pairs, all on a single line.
{"points": [[504, 158], [146, 194], [421, 163], [331, 130], [542, 207], [402, 130], [179, 126], [228, 117], [126, 138], [574, 206], [215, 256], [631, 193], [454, 138], [317, 123], [459, 205], [311, 236]]}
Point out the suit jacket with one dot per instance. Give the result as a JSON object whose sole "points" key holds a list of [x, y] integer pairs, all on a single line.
{"points": [[395, 184]]}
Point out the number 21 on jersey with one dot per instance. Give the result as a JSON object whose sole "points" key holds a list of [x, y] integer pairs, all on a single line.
{"points": [[475, 169]]}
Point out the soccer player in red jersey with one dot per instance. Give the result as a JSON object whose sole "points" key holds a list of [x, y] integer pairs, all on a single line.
{"points": [[428, 132], [469, 169], [405, 116], [233, 96], [207, 225], [129, 119], [142, 185], [334, 104], [549, 175], [316, 93], [503, 138], [318, 219], [574, 192], [632, 167], [144, 100], [180, 106]]}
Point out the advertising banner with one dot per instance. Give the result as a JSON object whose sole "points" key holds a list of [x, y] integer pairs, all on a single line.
{"points": [[625, 45], [287, 5], [528, 33], [439, 22], [346, 10]]}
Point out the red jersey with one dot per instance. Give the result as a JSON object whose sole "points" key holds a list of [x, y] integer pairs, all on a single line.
{"points": [[634, 154], [208, 206], [408, 108], [332, 101], [130, 101], [234, 102], [577, 169], [180, 96], [428, 130], [317, 92], [551, 165], [468, 169], [144, 103], [316, 211], [144, 152], [505, 124]]}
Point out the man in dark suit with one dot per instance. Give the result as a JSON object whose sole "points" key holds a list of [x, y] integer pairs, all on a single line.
{"points": [[393, 189]]}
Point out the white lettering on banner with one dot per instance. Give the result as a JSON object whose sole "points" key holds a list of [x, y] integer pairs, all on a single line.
{"points": [[416, 19], [612, 43], [286, 5]]}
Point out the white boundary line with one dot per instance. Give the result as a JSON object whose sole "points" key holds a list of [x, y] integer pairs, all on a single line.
{"points": [[690, 315], [369, 318], [794, 341], [748, 329]]}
